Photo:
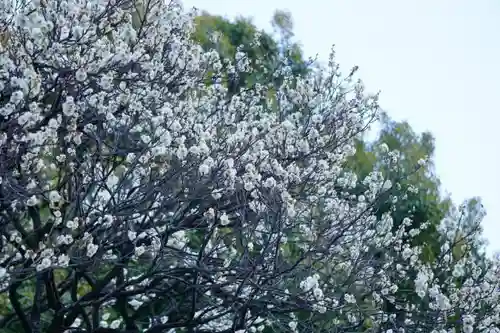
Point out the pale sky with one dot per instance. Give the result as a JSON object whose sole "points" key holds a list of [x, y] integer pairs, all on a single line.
{"points": [[437, 64]]}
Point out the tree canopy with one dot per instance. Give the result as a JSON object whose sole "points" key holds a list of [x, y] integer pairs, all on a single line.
{"points": [[157, 178]]}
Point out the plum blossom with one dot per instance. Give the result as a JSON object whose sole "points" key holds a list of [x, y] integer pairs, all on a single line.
{"points": [[134, 176]]}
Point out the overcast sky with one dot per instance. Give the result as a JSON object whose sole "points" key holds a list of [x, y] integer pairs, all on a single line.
{"points": [[437, 64]]}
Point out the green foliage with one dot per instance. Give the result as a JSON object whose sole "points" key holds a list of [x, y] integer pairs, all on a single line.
{"points": [[227, 37], [425, 205]]}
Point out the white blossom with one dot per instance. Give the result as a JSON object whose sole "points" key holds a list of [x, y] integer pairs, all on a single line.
{"points": [[224, 219], [130, 130]]}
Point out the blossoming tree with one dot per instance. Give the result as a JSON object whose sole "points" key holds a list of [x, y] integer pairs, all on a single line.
{"points": [[137, 197]]}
